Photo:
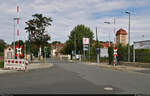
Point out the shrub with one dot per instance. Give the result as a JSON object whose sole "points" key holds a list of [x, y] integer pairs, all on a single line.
{"points": [[110, 53], [2, 64], [142, 55]]}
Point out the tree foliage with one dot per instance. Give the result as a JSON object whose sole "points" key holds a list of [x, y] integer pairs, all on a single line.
{"points": [[122, 53], [110, 54], [67, 49], [2, 46], [55, 42], [36, 28], [75, 38]]}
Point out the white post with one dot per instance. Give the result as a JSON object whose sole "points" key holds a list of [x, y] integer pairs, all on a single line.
{"points": [[60, 57], [40, 52], [45, 57], [114, 61], [98, 58], [89, 51], [84, 54]]}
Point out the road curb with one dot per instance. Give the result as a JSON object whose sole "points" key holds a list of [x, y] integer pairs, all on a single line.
{"points": [[40, 66]]}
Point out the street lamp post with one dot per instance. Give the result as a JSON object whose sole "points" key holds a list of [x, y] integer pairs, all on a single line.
{"points": [[128, 37], [97, 48], [75, 45], [109, 32]]}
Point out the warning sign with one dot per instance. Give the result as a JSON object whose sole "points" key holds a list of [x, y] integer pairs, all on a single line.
{"points": [[85, 40], [115, 51]]}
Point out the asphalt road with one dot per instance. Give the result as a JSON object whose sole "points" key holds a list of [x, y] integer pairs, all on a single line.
{"points": [[74, 78]]}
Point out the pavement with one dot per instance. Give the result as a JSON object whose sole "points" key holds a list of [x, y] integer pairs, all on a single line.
{"points": [[36, 64], [119, 67], [74, 78], [125, 82]]}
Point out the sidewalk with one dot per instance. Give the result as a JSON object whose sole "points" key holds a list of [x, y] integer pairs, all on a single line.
{"points": [[30, 67], [118, 67], [39, 65]]}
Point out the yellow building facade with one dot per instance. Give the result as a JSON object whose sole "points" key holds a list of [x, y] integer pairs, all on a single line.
{"points": [[121, 37]]}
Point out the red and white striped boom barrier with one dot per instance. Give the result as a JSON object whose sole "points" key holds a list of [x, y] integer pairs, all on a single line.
{"points": [[16, 64]]}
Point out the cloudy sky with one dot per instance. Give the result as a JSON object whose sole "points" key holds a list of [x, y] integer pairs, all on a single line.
{"points": [[66, 14]]}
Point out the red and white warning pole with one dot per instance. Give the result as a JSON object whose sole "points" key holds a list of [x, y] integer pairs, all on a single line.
{"points": [[18, 31], [18, 21], [115, 31]]}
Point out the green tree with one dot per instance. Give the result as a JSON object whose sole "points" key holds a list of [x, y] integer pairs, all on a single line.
{"points": [[75, 38], [18, 43], [110, 53], [67, 49], [36, 28], [122, 52], [55, 42], [47, 50], [2, 46]]}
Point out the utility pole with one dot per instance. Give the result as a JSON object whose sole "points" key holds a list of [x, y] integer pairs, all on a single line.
{"points": [[45, 51], [97, 48], [128, 37], [75, 45], [133, 52], [89, 50], [109, 32], [29, 46]]}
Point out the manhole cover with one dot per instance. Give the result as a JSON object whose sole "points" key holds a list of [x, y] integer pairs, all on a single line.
{"points": [[108, 88]]}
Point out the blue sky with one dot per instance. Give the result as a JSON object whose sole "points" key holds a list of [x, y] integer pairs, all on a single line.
{"points": [[66, 14]]}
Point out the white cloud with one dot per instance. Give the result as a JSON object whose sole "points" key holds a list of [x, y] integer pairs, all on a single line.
{"points": [[66, 14]]}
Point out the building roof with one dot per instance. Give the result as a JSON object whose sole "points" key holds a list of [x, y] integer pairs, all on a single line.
{"points": [[57, 46], [103, 44], [121, 32], [106, 45], [142, 41]]}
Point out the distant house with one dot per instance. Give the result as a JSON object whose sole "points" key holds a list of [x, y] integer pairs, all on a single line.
{"points": [[121, 37], [106, 44], [56, 48]]}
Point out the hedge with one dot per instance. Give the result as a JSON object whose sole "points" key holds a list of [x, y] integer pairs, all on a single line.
{"points": [[2, 64]]}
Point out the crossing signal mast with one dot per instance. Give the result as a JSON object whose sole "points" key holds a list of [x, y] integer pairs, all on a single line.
{"points": [[18, 47], [12, 63], [115, 54]]}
